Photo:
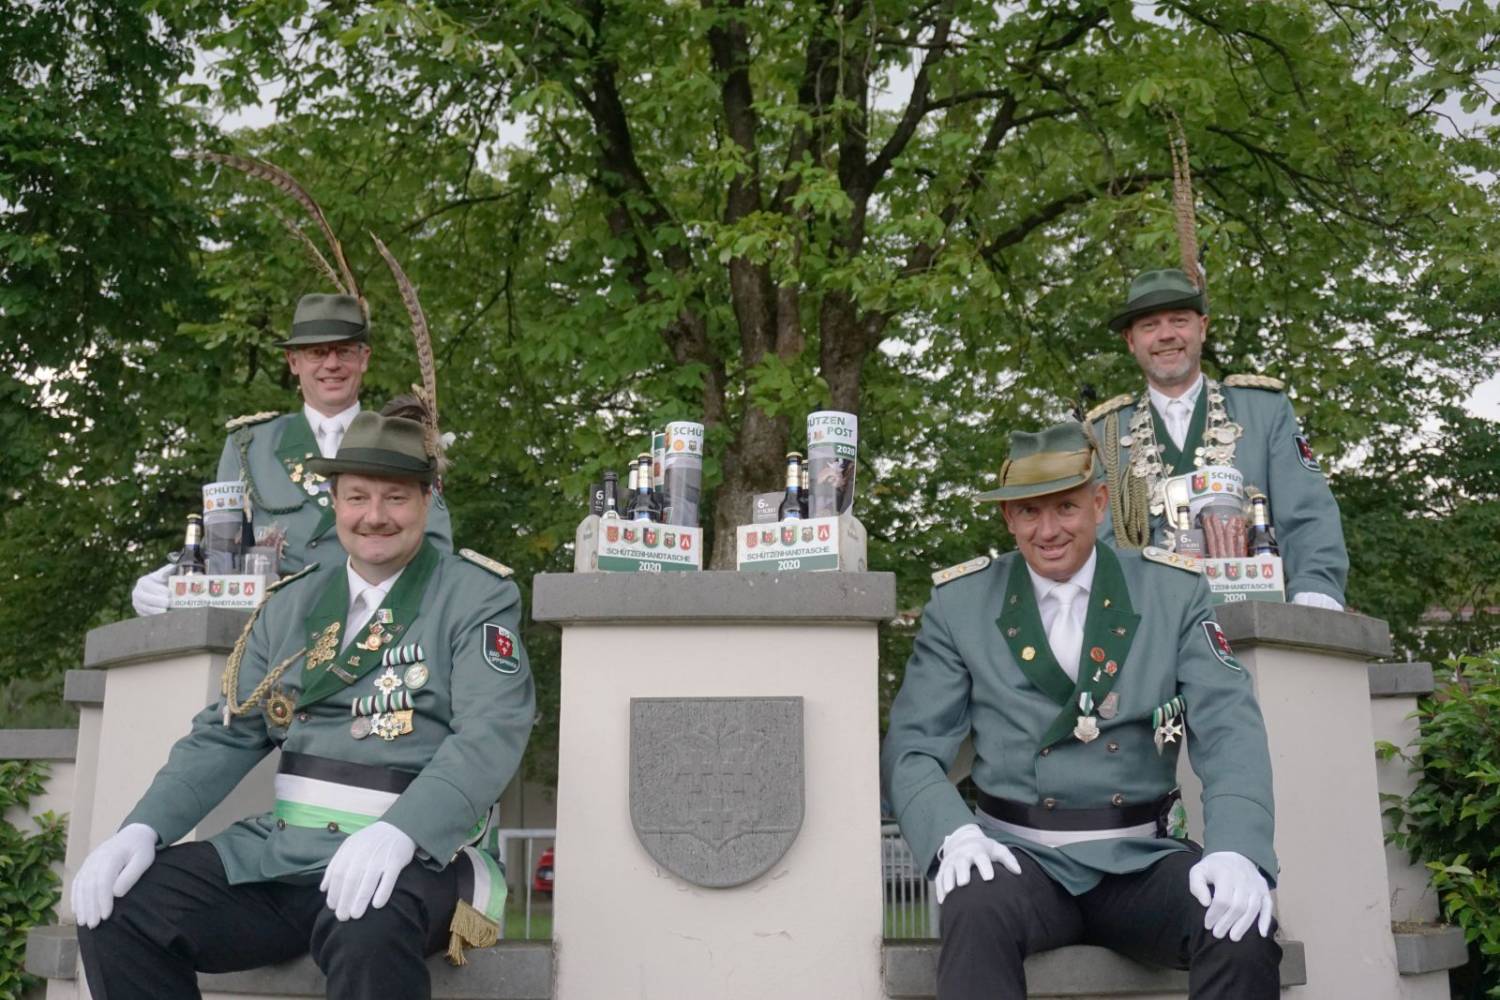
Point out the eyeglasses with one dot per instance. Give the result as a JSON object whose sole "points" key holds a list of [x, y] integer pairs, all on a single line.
{"points": [[321, 352]]}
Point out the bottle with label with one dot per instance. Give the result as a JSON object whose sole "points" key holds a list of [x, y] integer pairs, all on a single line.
{"points": [[644, 506], [1186, 540], [611, 507], [596, 499], [190, 561], [247, 539], [631, 488], [805, 492], [1262, 536], [791, 503]]}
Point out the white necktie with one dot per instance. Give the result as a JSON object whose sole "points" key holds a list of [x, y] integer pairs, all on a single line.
{"points": [[328, 438], [1065, 636], [1178, 415], [359, 614]]}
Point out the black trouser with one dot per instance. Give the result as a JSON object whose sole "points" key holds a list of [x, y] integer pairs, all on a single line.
{"points": [[183, 917], [990, 927]]}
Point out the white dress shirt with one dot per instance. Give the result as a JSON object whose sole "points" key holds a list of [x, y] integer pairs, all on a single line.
{"points": [[329, 431], [1176, 411], [1048, 605], [364, 598]]}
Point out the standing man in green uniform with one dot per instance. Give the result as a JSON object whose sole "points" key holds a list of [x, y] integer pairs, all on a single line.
{"points": [[329, 353], [1184, 421], [396, 687], [1079, 671]]}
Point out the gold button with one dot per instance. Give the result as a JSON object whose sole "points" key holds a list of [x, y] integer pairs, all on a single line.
{"points": [[1046, 751], [1117, 799], [1112, 746], [1050, 803]]}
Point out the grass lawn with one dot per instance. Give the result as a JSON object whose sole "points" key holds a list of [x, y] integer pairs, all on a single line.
{"points": [[908, 920], [515, 918]]}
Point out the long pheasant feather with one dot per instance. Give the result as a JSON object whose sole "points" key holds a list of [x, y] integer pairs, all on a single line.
{"points": [[312, 248], [426, 363], [1183, 203], [285, 182]]}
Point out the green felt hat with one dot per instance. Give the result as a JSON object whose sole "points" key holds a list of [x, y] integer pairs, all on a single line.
{"points": [[1153, 291], [387, 447], [327, 319], [1049, 461]]}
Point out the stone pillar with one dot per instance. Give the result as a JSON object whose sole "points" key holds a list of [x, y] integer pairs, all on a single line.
{"points": [[1311, 673], [162, 670], [803, 646]]}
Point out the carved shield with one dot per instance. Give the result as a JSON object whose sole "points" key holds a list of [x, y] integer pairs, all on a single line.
{"points": [[716, 789]]}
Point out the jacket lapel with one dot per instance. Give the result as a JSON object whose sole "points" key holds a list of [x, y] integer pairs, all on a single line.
{"points": [[1020, 623], [359, 657], [1109, 628], [1180, 461], [296, 446]]}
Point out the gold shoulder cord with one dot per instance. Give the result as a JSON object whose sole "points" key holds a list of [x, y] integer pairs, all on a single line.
{"points": [[1127, 494], [231, 680]]}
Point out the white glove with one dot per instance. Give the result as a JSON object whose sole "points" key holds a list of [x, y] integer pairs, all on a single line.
{"points": [[1313, 599], [150, 593], [1240, 894], [364, 869], [109, 871], [968, 847]]}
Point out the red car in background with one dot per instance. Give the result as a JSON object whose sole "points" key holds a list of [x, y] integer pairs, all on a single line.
{"points": [[541, 881]]}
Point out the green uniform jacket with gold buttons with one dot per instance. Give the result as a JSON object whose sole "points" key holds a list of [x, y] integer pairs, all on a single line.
{"points": [[267, 455], [970, 673], [471, 719], [1304, 513]]}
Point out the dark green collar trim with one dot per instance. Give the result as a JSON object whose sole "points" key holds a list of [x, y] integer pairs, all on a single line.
{"points": [[297, 440], [1020, 624], [1180, 462], [357, 658], [1110, 628]]}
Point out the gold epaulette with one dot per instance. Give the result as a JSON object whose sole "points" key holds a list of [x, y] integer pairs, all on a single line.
{"points": [[1187, 564], [272, 588], [952, 573], [501, 570], [1109, 406], [249, 420], [1254, 382]]}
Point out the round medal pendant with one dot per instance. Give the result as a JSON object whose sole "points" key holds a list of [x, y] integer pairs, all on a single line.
{"points": [[360, 727], [416, 676], [279, 709], [1126, 441]]}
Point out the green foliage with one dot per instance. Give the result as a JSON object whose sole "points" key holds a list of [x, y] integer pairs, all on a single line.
{"points": [[1449, 821], [29, 888]]}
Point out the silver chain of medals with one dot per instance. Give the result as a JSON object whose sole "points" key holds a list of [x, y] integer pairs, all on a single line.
{"points": [[1220, 435]]}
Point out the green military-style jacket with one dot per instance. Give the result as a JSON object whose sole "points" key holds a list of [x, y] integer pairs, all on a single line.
{"points": [[269, 453], [471, 708], [1273, 457], [982, 666]]}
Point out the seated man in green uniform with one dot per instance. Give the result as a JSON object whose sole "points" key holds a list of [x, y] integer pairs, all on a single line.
{"points": [[329, 352], [1075, 669], [396, 687], [1184, 421]]}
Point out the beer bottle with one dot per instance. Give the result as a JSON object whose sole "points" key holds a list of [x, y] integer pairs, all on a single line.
{"points": [[644, 507], [634, 485], [190, 560], [611, 495], [596, 499], [247, 536], [805, 491], [1262, 537], [791, 504]]}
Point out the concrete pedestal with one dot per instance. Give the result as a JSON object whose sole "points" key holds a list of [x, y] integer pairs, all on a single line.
{"points": [[808, 927], [1311, 672]]}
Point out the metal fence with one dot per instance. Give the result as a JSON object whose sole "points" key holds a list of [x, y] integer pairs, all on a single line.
{"points": [[907, 898], [910, 905], [528, 913]]}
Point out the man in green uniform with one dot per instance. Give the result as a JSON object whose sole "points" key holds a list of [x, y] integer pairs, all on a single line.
{"points": [[329, 353], [1078, 671], [1184, 421], [396, 687]]}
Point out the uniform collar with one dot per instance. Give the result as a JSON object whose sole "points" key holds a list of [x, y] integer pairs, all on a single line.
{"points": [[1160, 399], [342, 419], [359, 585], [1084, 578]]}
